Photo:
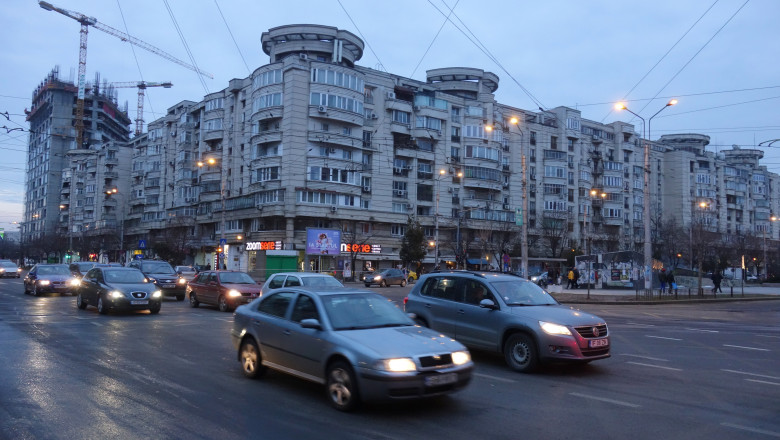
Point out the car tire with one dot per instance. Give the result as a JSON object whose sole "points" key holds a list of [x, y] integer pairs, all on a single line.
{"points": [[80, 303], [342, 387], [35, 291], [180, 297], [520, 353], [222, 303], [403, 283], [251, 363], [194, 303], [383, 283], [368, 284], [155, 309], [26, 291], [101, 306]]}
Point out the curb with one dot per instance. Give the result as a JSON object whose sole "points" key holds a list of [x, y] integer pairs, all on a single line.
{"points": [[668, 301]]}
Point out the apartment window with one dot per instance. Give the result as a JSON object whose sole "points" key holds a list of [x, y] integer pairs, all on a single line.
{"points": [[554, 142], [398, 230], [533, 138], [401, 117]]}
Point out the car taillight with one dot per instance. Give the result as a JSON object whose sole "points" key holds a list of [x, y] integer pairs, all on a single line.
{"points": [[406, 300]]}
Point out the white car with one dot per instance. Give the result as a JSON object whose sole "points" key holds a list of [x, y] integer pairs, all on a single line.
{"points": [[186, 272], [297, 279]]}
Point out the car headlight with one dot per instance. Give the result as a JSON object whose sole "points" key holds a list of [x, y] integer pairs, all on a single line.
{"points": [[461, 357], [182, 281], [75, 282], [397, 365], [234, 292], [116, 294], [378, 278], [44, 282], [534, 278], [2, 270], [156, 294], [554, 329]]}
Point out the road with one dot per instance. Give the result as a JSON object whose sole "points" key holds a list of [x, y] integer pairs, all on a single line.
{"points": [[678, 371]]}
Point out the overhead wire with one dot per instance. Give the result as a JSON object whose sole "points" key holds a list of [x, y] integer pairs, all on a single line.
{"points": [[433, 40], [137, 64], [231, 36], [186, 46], [362, 36]]}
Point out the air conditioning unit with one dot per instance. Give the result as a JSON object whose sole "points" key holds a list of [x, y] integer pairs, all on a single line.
{"points": [[332, 209], [374, 116], [409, 207], [506, 206], [416, 108], [400, 192], [262, 184], [596, 137], [303, 56], [331, 151], [322, 109], [449, 190], [390, 95], [506, 184], [189, 199], [367, 189], [533, 176]]}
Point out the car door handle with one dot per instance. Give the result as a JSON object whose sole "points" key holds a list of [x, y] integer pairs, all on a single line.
{"points": [[461, 311], [287, 332]]}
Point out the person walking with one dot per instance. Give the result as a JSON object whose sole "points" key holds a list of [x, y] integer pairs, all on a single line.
{"points": [[716, 280], [670, 281], [662, 280], [576, 278], [570, 277]]}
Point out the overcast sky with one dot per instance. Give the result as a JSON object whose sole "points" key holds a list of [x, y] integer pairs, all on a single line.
{"points": [[719, 58]]}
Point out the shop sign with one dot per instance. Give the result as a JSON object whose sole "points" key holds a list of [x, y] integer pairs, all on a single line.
{"points": [[361, 248], [263, 245]]}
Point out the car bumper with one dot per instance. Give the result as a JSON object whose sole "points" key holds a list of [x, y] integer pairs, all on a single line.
{"points": [[55, 289], [172, 291], [378, 385], [571, 348], [136, 304]]}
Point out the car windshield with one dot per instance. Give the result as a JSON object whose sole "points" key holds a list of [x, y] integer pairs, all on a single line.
{"points": [[6, 264], [321, 282], [522, 293], [361, 311], [53, 270], [235, 278], [184, 269], [123, 276], [157, 267], [85, 266]]}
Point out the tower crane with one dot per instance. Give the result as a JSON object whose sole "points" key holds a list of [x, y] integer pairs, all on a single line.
{"points": [[92, 21], [142, 85]]}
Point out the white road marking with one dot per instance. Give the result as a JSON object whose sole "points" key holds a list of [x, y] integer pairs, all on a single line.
{"points": [[663, 337], [769, 336], [702, 330], [654, 366], [645, 357], [746, 348], [500, 379], [96, 323], [640, 325], [763, 381], [751, 374], [751, 429], [604, 399], [653, 315]]}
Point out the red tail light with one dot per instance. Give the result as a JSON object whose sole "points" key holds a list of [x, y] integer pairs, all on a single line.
{"points": [[406, 300]]}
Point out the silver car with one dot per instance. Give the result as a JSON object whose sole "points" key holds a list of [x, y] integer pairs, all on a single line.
{"points": [[507, 314], [357, 343], [294, 279]]}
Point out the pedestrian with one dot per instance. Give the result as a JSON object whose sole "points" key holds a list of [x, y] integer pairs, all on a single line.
{"points": [[716, 280], [570, 277], [662, 280], [670, 281], [576, 278]]}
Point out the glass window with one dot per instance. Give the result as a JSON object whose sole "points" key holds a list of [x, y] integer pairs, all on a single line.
{"points": [[276, 304], [276, 282], [292, 281], [304, 309]]}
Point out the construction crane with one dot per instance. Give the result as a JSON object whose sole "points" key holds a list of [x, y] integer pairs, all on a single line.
{"points": [[142, 85], [92, 21]]}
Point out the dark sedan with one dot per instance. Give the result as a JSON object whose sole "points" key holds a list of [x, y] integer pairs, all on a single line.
{"points": [[224, 289], [120, 288], [48, 278], [386, 278], [80, 268]]}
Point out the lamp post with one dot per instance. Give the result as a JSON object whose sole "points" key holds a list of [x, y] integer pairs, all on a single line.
{"points": [[766, 268], [121, 220], [436, 221], [702, 205], [524, 194], [648, 250], [221, 260]]}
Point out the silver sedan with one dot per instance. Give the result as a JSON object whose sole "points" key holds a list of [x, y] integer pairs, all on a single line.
{"points": [[357, 343]]}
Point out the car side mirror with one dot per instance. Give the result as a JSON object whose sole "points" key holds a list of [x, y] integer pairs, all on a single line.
{"points": [[178, 272], [488, 304], [311, 323]]}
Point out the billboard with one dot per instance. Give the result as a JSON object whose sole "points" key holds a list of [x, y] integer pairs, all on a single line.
{"points": [[323, 241]]}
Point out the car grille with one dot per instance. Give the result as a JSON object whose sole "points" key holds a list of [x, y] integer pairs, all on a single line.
{"points": [[591, 352], [139, 295], [592, 331], [58, 284], [436, 361]]}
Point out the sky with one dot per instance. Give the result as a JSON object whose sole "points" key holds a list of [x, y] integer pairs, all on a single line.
{"points": [[719, 58]]}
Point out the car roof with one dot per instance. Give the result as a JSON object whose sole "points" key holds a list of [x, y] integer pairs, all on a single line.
{"points": [[304, 274], [323, 290], [494, 276], [51, 264]]}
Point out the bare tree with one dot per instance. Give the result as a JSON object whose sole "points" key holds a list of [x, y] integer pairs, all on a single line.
{"points": [[357, 241], [554, 231]]}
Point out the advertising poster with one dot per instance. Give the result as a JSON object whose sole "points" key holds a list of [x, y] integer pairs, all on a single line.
{"points": [[323, 241]]}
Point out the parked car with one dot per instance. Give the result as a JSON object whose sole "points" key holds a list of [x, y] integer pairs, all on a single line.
{"points": [[292, 279], [540, 279], [225, 289], [357, 343], [507, 314], [46, 278], [162, 275], [186, 272], [121, 288], [9, 269], [412, 277], [387, 277], [80, 268]]}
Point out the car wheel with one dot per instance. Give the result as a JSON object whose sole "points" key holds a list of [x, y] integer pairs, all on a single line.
{"points": [[101, 306], [180, 297], [155, 309], [403, 283], [383, 283], [223, 304], [26, 291], [80, 303], [368, 284], [250, 359], [520, 353], [421, 322], [35, 290], [342, 387], [194, 303]]}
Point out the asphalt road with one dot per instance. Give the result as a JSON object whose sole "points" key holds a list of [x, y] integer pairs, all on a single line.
{"points": [[694, 371]]}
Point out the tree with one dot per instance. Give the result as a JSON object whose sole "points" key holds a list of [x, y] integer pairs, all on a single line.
{"points": [[555, 232], [352, 235], [413, 245], [173, 243]]}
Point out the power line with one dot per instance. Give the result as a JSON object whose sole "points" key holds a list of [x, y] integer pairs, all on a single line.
{"points": [[434, 39], [362, 36], [232, 37], [186, 46], [680, 96]]}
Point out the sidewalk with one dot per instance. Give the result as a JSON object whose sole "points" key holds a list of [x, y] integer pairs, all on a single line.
{"points": [[632, 296]]}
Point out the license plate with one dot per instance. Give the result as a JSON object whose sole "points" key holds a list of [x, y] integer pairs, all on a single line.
{"points": [[441, 379], [598, 343], [168, 286], [138, 303]]}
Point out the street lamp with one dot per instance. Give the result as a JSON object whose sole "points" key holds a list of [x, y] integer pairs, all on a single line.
{"points": [[766, 271], [209, 162], [588, 238], [113, 192], [648, 250], [524, 194], [436, 221]]}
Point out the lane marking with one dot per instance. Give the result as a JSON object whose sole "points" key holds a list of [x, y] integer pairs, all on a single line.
{"points": [[702, 330], [654, 366], [640, 324], [751, 429], [751, 374], [96, 323], [653, 315], [763, 381], [604, 399], [663, 337], [769, 336], [745, 348], [500, 379], [645, 357]]}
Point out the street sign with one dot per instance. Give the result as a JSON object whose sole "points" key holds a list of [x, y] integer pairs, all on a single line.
{"points": [[222, 241], [518, 217], [141, 244]]}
